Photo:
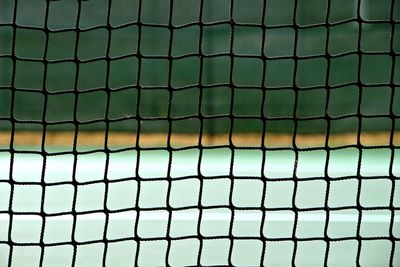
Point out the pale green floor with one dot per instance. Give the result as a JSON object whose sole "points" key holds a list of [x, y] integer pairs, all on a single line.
{"points": [[247, 192]]}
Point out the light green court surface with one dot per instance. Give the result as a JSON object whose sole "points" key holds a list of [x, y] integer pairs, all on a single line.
{"points": [[247, 192]]}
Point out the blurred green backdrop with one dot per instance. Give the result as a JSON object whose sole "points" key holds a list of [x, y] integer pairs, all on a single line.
{"points": [[65, 88]]}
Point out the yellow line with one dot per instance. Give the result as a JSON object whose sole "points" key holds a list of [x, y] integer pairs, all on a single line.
{"points": [[125, 139]]}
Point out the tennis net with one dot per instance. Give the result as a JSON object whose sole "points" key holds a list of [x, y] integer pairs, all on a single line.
{"points": [[199, 132]]}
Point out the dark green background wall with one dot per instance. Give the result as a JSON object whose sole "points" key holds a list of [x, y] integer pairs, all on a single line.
{"points": [[34, 82]]}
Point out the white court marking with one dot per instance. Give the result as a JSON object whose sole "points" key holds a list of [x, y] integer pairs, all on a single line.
{"points": [[249, 217]]}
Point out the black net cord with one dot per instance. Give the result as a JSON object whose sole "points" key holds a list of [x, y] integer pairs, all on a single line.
{"points": [[326, 163], [392, 133], [209, 96], [12, 185]]}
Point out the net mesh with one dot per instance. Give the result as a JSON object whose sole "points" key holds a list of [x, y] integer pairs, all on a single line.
{"points": [[230, 88]]}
